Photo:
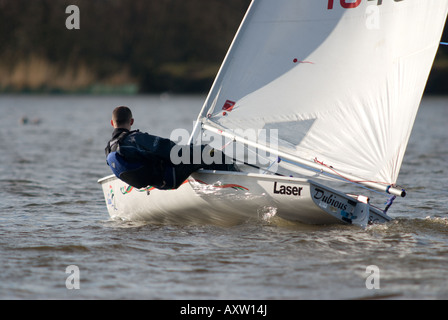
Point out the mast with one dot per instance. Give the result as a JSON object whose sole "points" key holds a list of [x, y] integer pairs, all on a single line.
{"points": [[215, 86]]}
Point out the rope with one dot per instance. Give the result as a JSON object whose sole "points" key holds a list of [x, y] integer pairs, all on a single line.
{"points": [[345, 178]]}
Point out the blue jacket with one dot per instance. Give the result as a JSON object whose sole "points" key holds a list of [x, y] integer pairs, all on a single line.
{"points": [[138, 158]]}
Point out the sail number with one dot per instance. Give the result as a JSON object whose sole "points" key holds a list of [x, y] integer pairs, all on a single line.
{"points": [[347, 4]]}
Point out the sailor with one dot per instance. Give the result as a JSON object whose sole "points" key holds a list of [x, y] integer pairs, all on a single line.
{"points": [[143, 160]]}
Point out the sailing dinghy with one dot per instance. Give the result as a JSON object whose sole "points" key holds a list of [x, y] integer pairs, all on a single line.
{"points": [[331, 89]]}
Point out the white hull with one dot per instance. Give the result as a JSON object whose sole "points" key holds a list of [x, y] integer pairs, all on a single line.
{"points": [[226, 198]]}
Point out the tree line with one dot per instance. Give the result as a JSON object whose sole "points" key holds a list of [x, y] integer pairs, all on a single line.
{"points": [[152, 45]]}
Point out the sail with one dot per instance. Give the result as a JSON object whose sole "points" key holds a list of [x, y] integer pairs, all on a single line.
{"points": [[341, 80]]}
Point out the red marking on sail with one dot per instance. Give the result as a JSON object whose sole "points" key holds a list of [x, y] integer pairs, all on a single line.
{"points": [[302, 61], [228, 106]]}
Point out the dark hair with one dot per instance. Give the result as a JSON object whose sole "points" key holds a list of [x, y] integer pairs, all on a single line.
{"points": [[121, 115]]}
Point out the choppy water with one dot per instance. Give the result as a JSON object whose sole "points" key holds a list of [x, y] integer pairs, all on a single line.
{"points": [[53, 215]]}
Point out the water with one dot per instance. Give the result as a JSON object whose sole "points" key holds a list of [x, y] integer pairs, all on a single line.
{"points": [[53, 215]]}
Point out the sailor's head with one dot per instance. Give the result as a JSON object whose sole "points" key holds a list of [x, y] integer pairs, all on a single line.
{"points": [[122, 118]]}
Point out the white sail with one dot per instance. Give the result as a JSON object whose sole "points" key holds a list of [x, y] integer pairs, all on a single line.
{"points": [[341, 80]]}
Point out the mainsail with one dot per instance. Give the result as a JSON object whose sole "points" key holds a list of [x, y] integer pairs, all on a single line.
{"points": [[341, 80]]}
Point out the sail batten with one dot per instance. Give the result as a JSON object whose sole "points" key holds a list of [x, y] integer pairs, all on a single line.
{"points": [[342, 85]]}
